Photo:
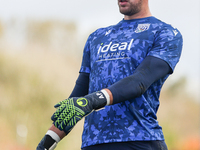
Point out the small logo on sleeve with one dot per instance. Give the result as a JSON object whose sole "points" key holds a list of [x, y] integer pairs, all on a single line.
{"points": [[108, 32], [175, 32]]}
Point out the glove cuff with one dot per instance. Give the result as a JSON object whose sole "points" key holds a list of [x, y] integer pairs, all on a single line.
{"points": [[48, 143], [98, 99], [53, 135], [52, 147], [107, 96]]}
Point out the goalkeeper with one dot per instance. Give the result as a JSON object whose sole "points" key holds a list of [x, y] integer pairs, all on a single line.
{"points": [[123, 69]]}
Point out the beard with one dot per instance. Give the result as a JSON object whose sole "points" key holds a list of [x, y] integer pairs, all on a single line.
{"points": [[131, 9]]}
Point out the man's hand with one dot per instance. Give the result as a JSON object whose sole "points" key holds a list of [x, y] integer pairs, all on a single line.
{"points": [[71, 110]]}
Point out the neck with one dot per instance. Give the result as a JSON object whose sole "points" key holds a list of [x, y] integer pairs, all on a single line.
{"points": [[137, 16]]}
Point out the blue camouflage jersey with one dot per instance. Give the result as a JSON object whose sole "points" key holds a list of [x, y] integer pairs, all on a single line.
{"points": [[113, 53]]}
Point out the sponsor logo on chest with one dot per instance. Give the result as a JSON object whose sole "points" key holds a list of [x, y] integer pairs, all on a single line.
{"points": [[113, 47], [113, 51]]}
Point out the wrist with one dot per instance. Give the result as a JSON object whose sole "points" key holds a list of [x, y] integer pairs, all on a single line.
{"points": [[108, 96], [49, 141], [53, 135], [60, 133], [102, 98], [96, 100]]}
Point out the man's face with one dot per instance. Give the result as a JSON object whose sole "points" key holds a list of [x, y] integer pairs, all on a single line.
{"points": [[130, 7]]}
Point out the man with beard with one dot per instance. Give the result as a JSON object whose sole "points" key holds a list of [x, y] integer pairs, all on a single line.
{"points": [[123, 69]]}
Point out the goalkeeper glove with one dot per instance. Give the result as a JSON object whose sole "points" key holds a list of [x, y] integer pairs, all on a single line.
{"points": [[71, 110], [49, 142]]}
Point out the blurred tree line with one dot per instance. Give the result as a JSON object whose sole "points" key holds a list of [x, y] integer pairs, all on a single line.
{"points": [[39, 64], [56, 35]]}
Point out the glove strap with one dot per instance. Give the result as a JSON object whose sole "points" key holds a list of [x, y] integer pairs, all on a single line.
{"points": [[52, 147], [107, 96], [53, 135]]}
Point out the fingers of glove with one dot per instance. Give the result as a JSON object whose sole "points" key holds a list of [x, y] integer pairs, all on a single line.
{"points": [[58, 112], [67, 114], [69, 118], [67, 128], [60, 103]]}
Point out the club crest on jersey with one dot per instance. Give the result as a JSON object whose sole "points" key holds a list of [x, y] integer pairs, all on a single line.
{"points": [[142, 27]]}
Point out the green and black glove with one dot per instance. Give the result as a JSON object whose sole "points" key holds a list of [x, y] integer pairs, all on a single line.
{"points": [[70, 111]]}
